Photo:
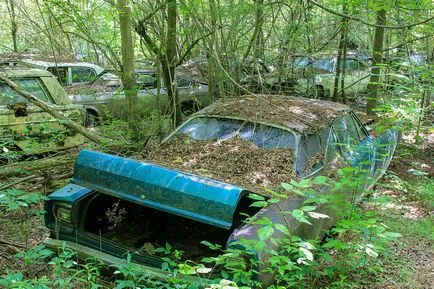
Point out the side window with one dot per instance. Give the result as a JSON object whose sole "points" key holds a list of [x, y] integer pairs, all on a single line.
{"points": [[82, 74], [61, 73], [352, 65], [348, 132], [183, 82], [310, 156], [146, 81], [9, 96]]}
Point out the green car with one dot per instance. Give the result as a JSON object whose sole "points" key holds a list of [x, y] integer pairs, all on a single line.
{"points": [[27, 128], [197, 184]]}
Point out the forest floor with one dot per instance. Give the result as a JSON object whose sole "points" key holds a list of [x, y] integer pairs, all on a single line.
{"points": [[403, 199]]}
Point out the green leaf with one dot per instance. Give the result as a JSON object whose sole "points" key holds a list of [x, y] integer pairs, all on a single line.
{"points": [[265, 232], [282, 228], [320, 180], [297, 213], [304, 183], [298, 192], [256, 197], [287, 186], [273, 201], [308, 208], [259, 204]]}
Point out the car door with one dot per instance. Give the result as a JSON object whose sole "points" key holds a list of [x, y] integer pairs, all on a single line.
{"points": [[30, 128], [356, 77]]}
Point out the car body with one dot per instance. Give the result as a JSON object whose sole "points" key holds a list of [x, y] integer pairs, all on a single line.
{"points": [[72, 73], [195, 186], [28, 128], [319, 75], [151, 92]]}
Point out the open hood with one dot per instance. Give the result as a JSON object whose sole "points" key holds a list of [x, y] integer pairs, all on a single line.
{"points": [[187, 195]]}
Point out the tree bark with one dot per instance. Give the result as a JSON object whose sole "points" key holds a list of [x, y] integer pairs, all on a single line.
{"points": [[341, 59], [127, 48], [14, 27], [377, 55], [66, 121], [169, 64], [213, 84]]}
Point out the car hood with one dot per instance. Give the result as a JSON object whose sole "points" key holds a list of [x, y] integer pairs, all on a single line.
{"points": [[187, 195]]}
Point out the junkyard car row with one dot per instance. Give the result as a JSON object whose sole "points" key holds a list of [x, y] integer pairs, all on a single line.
{"points": [[197, 185]]}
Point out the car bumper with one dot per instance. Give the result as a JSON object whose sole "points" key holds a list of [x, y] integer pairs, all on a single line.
{"points": [[84, 252]]}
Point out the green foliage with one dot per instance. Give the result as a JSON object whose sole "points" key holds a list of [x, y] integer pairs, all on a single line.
{"points": [[16, 200]]}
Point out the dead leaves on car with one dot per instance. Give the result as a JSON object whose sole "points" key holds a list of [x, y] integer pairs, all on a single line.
{"points": [[232, 161]]}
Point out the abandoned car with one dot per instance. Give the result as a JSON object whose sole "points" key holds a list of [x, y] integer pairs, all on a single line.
{"points": [[193, 95], [319, 75], [26, 127], [196, 185]]}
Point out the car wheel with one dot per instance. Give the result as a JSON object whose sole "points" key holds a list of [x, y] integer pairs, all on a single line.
{"points": [[91, 119]]}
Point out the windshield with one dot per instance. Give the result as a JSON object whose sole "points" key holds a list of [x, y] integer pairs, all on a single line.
{"points": [[263, 136]]}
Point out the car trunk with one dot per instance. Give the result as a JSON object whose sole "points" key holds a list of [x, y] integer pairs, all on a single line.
{"points": [[137, 207], [141, 229]]}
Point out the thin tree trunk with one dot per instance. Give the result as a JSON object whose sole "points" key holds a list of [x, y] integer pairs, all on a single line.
{"points": [[377, 55], [170, 65], [340, 64], [14, 25], [212, 53], [127, 48], [68, 122]]}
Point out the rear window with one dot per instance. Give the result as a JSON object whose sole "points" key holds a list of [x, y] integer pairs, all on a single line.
{"points": [[9, 96], [82, 74], [263, 136]]}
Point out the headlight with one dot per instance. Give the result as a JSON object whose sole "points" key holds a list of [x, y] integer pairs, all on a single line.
{"points": [[62, 213]]}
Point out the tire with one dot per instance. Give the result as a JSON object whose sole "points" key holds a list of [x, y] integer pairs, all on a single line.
{"points": [[91, 119]]}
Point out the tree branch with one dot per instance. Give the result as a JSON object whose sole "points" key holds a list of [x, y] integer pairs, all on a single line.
{"points": [[195, 42], [141, 30], [367, 23]]}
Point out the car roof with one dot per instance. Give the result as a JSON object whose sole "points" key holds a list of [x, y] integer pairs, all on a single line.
{"points": [[32, 72], [300, 114], [42, 63]]}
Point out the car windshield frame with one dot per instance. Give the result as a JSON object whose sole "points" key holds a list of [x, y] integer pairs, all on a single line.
{"points": [[297, 136]]}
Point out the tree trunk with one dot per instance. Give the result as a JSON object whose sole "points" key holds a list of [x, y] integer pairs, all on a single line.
{"points": [[14, 27], [340, 62], [127, 48], [213, 84], [377, 55], [169, 65], [66, 121]]}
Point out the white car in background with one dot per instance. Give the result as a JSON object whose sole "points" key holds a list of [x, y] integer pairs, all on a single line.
{"points": [[320, 71], [74, 73]]}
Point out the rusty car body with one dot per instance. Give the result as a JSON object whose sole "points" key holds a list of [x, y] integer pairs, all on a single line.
{"points": [[28, 128]]}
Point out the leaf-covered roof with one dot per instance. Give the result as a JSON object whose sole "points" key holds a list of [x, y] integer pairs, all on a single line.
{"points": [[297, 113]]}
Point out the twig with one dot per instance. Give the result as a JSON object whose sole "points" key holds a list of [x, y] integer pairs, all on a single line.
{"points": [[367, 23], [4, 242], [7, 186]]}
